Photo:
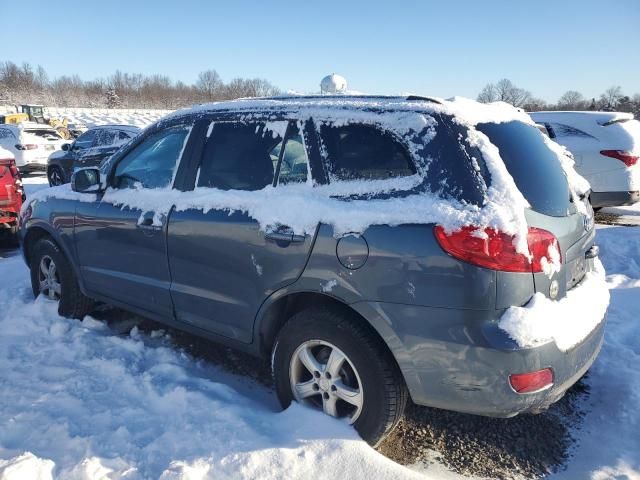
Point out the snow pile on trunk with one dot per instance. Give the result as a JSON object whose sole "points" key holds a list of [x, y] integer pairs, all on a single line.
{"points": [[91, 404], [567, 321]]}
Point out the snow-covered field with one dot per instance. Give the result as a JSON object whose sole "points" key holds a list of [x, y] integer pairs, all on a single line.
{"points": [[101, 116], [83, 400]]}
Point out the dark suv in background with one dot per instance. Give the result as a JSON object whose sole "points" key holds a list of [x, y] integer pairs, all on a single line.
{"points": [[88, 150], [354, 322]]}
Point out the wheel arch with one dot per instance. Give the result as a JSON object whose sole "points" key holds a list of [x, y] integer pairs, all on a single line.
{"points": [[42, 230], [274, 315]]}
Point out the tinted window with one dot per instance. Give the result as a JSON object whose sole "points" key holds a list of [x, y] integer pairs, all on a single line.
{"points": [[105, 137], [241, 156], [152, 163], [364, 152], [122, 135], [454, 168], [293, 168], [535, 169], [85, 140]]}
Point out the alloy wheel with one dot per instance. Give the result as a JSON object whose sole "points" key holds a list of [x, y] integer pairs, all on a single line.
{"points": [[48, 278], [321, 375], [55, 178]]}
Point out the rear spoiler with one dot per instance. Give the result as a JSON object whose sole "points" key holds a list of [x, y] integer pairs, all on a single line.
{"points": [[621, 118]]}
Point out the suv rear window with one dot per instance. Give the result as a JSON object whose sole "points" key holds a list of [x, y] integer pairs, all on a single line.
{"points": [[535, 169], [364, 152]]}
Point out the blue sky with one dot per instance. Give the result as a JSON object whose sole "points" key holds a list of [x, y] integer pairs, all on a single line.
{"points": [[443, 48]]}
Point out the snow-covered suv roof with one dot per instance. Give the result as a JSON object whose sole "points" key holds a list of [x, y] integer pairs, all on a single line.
{"points": [[415, 121]]}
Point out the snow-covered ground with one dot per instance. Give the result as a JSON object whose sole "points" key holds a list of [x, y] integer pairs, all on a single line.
{"points": [[101, 116], [627, 215], [83, 400]]}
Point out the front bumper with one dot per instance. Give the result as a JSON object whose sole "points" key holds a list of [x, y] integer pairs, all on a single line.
{"points": [[460, 360]]}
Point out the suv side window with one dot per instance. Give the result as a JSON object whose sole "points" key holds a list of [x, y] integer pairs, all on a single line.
{"points": [[85, 140], [294, 166], [152, 163], [365, 152], [105, 137], [241, 155], [122, 136]]}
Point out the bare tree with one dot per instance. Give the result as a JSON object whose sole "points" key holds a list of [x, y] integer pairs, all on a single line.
{"points": [[505, 91], [611, 98], [572, 100], [26, 84], [209, 84], [488, 94]]}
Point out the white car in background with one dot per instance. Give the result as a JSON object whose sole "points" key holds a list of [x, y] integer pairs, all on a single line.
{"points": [[31, 144], [606, 149]]}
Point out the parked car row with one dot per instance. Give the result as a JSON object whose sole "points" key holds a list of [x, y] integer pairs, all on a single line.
{"points": [[360, 298]]}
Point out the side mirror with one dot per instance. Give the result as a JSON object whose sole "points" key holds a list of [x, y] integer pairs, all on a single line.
{"points": [[86, 180], [66, 147]]}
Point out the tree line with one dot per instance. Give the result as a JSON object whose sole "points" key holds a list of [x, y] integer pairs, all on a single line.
{"points": [[612, 99], [23, 84]]}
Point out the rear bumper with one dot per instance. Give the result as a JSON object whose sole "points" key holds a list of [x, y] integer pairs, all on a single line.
{"points": [[614, 199], [460, 360], [33, 167]]}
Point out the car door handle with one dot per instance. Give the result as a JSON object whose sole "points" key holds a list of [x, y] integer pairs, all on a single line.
{"points": [[147, 224], [284, 236]]}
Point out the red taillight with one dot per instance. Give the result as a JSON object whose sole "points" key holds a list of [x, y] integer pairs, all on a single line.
{"points": [[532, 381], [26, 146], [493, 249], [626, 157]]}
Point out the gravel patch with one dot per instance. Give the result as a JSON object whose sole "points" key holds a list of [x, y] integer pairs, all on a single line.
{"points": [[530, 446]]}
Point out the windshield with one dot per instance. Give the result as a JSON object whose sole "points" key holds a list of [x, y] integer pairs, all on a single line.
{"points": [[535, 169]]}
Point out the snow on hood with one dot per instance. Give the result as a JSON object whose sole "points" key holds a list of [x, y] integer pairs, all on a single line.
{"points": [[412, 121]]}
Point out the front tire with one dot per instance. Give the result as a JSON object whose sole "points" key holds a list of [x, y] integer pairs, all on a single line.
{"points": [[329, 361], [53, 277], [55, 176]]}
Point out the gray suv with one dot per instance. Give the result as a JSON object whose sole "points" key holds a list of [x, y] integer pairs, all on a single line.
{"points": [[354, 323]]}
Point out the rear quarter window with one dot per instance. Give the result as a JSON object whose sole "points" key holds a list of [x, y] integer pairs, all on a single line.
{"points": [[364, 152], [450, 167]]}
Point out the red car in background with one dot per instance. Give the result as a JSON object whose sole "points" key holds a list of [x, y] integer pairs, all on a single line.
{"points": [[11, 194]]}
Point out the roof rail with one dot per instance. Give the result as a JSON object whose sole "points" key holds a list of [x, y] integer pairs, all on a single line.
{"points": [[424, 99]]}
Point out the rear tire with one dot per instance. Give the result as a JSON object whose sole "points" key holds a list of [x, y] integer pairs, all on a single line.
{"points": [[369, 375], [52, 276]]}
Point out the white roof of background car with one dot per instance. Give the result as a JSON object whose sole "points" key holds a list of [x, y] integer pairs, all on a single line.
{"points": [[598, 117], [30, 126]]}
